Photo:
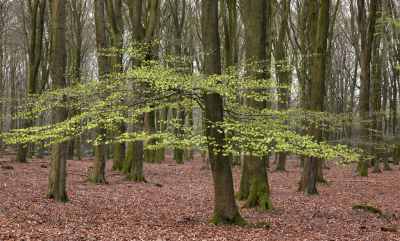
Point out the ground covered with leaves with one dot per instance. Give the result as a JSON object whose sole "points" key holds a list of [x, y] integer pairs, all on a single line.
{"points": [[178, 198]]}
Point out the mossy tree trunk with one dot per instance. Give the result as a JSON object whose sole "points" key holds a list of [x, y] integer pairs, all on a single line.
{"points": [[133, 165], [311, 163], [225, 209], [254, 183], [56, 188], [136, 155]]}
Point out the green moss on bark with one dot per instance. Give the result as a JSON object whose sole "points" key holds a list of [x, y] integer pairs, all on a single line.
{"points": [[241, 195], [96, 180], [7, 167], [259, 194], [264, 224], [237, 220], [138, 178]]}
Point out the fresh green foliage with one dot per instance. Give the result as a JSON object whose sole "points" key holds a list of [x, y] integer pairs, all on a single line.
{"points": [[149, 88]]}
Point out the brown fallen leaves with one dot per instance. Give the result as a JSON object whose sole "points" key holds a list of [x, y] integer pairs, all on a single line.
{"points": [[178, 197]]}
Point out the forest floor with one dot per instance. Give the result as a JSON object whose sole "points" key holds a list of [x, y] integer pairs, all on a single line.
{"points": [[124, 210]]}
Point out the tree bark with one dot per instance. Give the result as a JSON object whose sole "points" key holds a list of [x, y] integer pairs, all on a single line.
{"points": [[35, 50], [282, 73], [365, 60], [225, 209], [56, 188], [97, 175], [308, 177]]}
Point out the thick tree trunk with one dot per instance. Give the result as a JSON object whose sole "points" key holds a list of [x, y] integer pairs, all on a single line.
{"points": [[225, 209], [254, 183], [309, 175], [56, 188]]}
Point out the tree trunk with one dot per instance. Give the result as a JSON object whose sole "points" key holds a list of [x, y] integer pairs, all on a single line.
{"points": [[56, 188], [309, 175], [35, 53], [365, 59], [254, 183], [225, 209], [97, 175], [283, 78], [134, 157]]}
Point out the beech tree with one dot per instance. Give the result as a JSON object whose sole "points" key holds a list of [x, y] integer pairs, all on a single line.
{"points": [[37, 13], [97, 175], [308, 177], [133, 165], [56, 188], [367, 31], [225, 209], [254, 182]]}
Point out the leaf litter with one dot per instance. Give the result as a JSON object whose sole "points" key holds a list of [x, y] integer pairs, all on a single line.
{"points": [[178, 198]]}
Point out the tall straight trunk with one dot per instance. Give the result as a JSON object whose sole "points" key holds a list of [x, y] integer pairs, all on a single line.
{"points": [[35, 50], [255, 179], [97, 175], [254, 183], [225, 209], [376, 104], [303, 73], [365, 60], [150, 155], [134, 157], [282, 74], [384, 61], [77, 27], [116, 30], [308, 177], [56, 188]]}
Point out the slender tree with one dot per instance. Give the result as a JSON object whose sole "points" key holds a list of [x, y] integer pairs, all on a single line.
{"points": [[97, 175], [282, 73], [37, 13], [56, 188], [366, 33]]}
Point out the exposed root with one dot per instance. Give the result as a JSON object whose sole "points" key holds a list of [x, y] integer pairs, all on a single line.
{"points": [[237, 220], [96, 180], [259, 194]]}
